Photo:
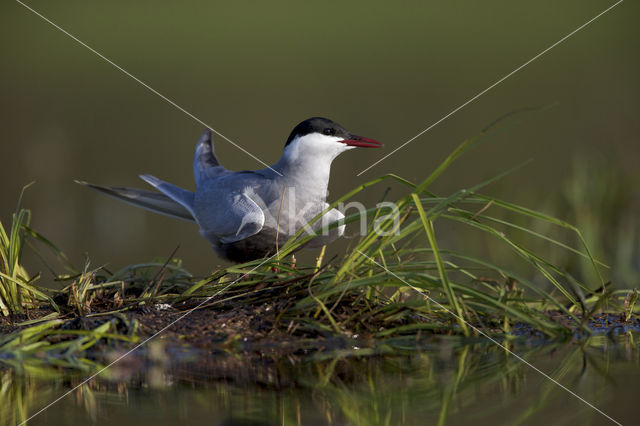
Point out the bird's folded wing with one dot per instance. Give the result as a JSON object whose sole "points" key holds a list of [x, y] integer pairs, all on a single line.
{"points": [[234, 218], [205, 162]]}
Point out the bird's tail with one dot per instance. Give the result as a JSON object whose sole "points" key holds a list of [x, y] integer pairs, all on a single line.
{"points": [[149, 200]]}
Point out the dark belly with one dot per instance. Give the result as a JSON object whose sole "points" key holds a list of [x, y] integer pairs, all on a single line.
{"points": [[258, 246]]}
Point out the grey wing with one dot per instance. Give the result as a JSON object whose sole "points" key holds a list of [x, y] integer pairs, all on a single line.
{"points": [[148, 200], [233, 218], [205, 162], [181, 196]]}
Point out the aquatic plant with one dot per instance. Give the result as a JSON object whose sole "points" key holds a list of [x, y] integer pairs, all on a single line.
{"points": [[463, 286], [17, 290]]}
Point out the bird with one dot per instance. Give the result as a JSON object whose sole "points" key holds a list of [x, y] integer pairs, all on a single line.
{"points": [[250, 214]]}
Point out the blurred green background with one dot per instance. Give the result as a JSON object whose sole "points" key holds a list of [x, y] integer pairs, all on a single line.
{"points": [[254, 69]]}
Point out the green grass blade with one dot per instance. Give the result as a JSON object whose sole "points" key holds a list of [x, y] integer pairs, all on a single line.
{"points": [[453, 301]]}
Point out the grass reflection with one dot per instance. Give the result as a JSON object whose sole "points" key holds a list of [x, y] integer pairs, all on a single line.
{"points": [[442, 381]]}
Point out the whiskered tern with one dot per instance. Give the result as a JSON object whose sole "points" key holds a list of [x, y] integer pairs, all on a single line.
{"points": [[246, 214]]}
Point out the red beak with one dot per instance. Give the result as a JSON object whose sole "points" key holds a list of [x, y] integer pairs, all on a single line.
{"points": [[362, 142]]}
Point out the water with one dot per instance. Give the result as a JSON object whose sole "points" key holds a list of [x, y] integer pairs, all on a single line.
{"points": [[438, 379]]}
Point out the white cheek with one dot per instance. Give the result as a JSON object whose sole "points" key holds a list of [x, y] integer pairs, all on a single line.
{"points": [[318, 140], [320, 145]]}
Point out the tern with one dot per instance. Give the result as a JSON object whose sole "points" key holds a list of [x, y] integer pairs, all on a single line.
{"points": [[248, 215]]}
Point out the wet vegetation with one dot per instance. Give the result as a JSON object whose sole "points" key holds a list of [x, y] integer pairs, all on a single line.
{"points": [[398, 285]]}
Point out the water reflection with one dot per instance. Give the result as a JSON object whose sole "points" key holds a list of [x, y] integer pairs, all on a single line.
{"points": [[440, 380]]}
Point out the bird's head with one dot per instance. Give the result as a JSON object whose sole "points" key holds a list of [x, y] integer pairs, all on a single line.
{"points": [[323, 138]]}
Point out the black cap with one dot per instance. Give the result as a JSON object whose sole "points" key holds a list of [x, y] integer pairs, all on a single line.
{"points": [[318, 125]]}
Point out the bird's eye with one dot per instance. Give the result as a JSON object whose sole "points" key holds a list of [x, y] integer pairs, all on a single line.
{"points": [[329, 131]]}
